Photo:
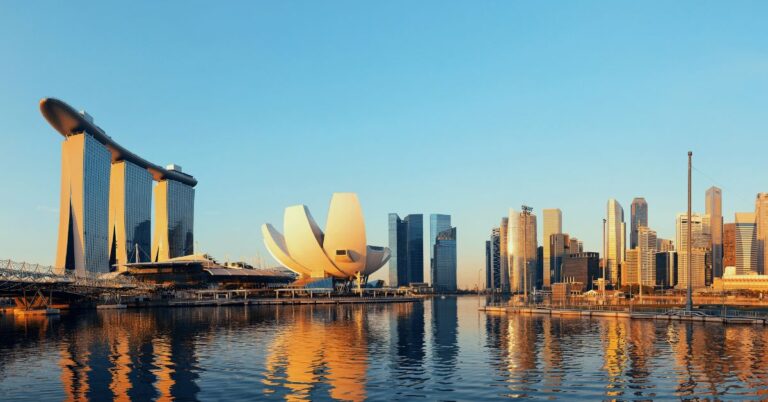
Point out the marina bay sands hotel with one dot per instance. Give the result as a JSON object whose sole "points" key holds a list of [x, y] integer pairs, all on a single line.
{"points": [[106, 200]]}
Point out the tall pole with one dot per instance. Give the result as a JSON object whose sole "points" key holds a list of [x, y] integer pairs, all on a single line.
{"points": [[689, 298]]}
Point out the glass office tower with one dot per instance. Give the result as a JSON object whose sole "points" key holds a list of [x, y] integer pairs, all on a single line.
{"points": [[406, 242], [437, 224], [84, 205], [444, 276], [638, 217]]}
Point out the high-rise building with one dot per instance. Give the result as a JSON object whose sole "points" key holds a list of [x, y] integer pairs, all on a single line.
{"points": [[521, 250], [713, 204], [406, 242], [553, 224], [558, 249], [666, 269], [664, 244], [130, 214], [616, 240], [495, 274], [174, 219], [582, 267], [699, 244], [746, 243], [639, 217], [575, 246], [761, 220], [444, 279], [539, 268], [630, 269], [106, 199], [83, 244], [488, 266], [503, 254], [646, 244], [729, 245], [437, 224]]}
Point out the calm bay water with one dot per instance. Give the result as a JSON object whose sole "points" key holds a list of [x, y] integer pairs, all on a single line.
{"points": [[442, 349]]}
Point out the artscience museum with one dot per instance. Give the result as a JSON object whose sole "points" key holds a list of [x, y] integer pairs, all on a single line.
{"points": [[340, 252]]}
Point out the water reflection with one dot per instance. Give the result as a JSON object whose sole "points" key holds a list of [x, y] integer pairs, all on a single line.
{"points": [[637, 359], [308, 352], [439, 349]]}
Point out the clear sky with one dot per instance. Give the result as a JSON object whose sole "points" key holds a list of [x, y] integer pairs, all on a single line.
{"points": [[464, 108]]}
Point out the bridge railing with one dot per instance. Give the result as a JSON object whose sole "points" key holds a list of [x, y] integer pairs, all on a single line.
{"points": [[14, 272]]}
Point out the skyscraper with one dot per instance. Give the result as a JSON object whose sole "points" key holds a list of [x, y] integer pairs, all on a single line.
{"points": [[174, 218], [616, 240], [639, 217], [444, 279], [130, 214], [437, 224], [729, 245], [553, 223], [495, 260], [761, 220], [558, 249], [406, 242], [521, 250], [699, 247], [713, 204], [646, 246], [488, 266], [84, 205], [746, 243], [503, 254], [630, 269], [666, 269], [106, 196]]}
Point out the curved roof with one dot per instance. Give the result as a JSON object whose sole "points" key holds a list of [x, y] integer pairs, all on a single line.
{"points": [[68, 121], [340, 252]]}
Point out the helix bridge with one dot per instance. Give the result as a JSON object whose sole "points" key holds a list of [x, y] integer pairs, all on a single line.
{"points": [[34, 286]]}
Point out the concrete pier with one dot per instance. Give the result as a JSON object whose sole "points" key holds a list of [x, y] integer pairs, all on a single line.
{"points": [[636, 315]]}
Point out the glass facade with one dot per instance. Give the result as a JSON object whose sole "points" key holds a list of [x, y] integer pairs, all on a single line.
{"points": [[406, 242], [639, 217], [181, 208], [444, 279], [437, 224], [96, 165], [130, 214]]}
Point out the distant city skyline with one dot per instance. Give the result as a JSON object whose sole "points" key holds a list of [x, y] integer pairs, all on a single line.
{"points": [[489, 108]]}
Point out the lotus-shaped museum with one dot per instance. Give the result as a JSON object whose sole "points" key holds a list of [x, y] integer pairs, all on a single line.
{"points": [[341, 252]]}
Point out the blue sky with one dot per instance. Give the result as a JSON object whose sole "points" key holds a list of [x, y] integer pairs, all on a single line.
{"points": [[465, 108]]}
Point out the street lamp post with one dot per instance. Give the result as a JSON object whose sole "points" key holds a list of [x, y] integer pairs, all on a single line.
{"points": [[689, 298]]}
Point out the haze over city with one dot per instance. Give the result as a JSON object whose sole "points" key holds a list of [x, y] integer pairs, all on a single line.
{"points": [[441, 109]]}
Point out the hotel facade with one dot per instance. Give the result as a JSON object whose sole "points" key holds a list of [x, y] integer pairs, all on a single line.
{"points": [[106, 200]]}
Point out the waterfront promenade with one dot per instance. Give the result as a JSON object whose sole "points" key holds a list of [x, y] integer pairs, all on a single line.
{"points": [[640, 312]]}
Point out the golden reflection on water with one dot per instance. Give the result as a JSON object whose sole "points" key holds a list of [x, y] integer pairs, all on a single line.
{"points": [[704, 359], [308, 351]]}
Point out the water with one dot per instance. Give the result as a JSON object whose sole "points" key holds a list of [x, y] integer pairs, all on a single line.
{"points": [[441, 349]]}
